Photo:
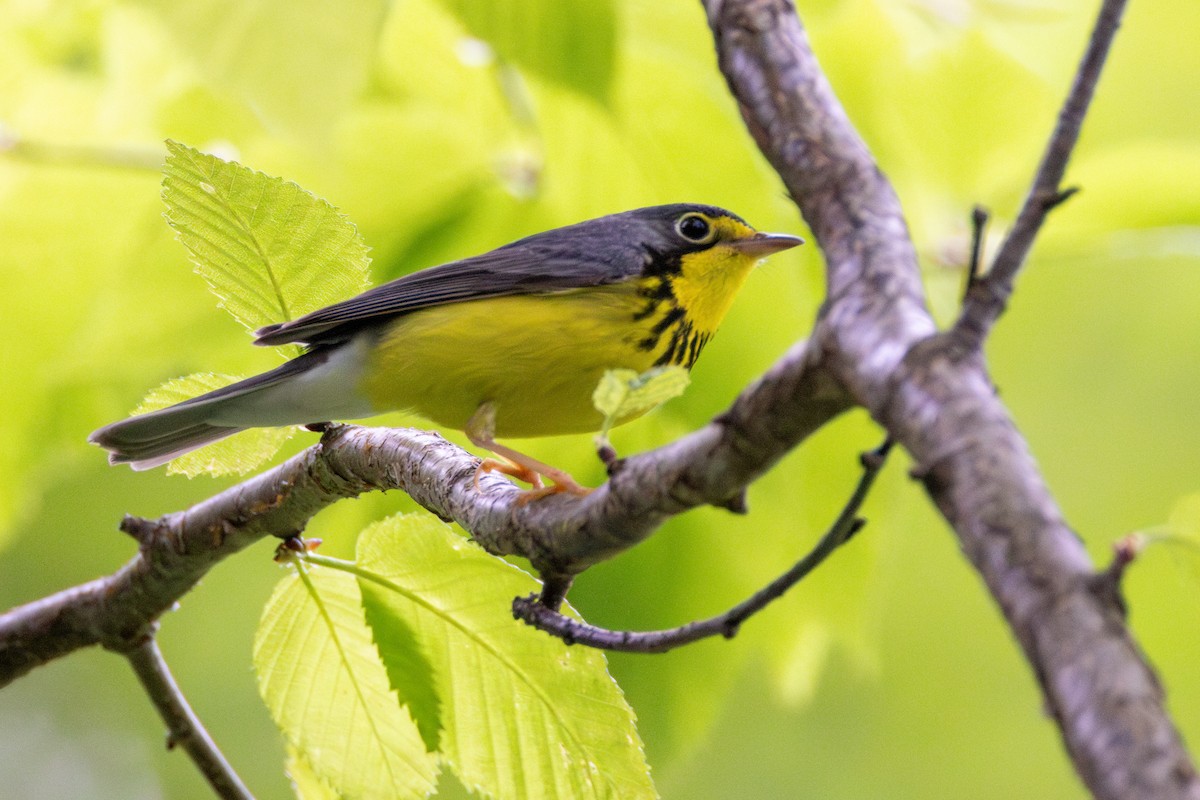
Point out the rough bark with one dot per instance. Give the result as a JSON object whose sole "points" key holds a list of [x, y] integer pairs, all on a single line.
{"points": [[932, 393], [874, 345]]}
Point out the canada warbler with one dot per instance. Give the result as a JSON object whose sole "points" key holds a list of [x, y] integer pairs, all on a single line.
{"points": [[508, 343]]}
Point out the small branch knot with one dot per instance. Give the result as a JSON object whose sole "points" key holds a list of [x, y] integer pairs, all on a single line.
{"points": [[1052, 200], [140, 528], [127, 641], [608, 456], [736, 504], [1106, 585]]}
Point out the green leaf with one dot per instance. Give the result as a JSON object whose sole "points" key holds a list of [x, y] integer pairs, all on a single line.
{"points": [[235, 455], [320, 676], [525, 715], [568, 42], [267, 248], [623, 394], [409, 671], [306, 783], [252, 49]]}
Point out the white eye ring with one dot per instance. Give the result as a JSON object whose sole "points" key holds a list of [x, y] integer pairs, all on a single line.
{"points": [[700, 233]]}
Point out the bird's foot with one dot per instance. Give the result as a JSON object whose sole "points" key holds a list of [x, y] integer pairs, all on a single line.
{"points": [[481, 431], [559, 481], [506, 467]]}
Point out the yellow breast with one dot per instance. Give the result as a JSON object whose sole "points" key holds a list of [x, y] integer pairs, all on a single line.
{"points": [[538, 358]]}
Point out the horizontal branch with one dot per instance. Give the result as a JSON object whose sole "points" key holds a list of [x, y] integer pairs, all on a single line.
{"points": [[560, 535], [174, 552]]}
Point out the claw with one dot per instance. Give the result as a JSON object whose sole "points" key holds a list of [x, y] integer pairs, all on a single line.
{"points": [[481, 431], [506, 467], [529, 495]]}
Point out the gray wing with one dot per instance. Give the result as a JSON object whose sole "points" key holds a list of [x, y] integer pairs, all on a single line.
{"points": [[539, 264]]}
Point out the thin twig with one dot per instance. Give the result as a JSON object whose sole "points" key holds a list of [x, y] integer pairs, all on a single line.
{"points": [[184, 727], [533, 611], [979, 221], [1106, 583], [989, 296]]}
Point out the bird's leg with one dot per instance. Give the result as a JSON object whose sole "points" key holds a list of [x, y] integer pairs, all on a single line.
{"points": [[481, 429]]}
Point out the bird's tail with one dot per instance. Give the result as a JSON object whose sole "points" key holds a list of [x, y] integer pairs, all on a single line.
{"points": [[151, 440], [273, 398]]}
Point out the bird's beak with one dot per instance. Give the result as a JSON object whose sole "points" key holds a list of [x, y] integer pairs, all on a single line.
{"points": [[764, 244]]}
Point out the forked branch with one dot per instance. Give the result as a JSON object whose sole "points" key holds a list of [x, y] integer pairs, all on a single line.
{"points": [[544, 616], [989, 296], [875, 345], [932, 393]]}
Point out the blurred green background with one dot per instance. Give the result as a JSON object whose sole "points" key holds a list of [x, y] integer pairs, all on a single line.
{"points": [[446, 127]]}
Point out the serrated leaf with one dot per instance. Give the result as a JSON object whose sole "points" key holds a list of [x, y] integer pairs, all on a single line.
{"points": [[409, 671], [234, 455], [569, 42], [267, 248], [306, 783], [525, 715], [623, 394], [320, 677]]}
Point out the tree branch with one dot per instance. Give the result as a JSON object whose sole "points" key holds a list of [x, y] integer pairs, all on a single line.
{"points": [[989, 297], [933, 395], [979, 221], [875, 344], [537, 612], [185, 728], [560, 535], [563, 535]]}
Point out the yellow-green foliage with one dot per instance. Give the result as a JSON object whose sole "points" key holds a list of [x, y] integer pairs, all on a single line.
{"points": [[887, 673]]}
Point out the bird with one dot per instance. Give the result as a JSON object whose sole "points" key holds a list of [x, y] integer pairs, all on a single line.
{"points": [[510, 343]]}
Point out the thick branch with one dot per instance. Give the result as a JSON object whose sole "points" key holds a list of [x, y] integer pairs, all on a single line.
{"points": [[934, 397], [560, 535], [852, 210]]}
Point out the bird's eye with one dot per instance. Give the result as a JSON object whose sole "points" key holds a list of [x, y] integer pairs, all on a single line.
{"points": [[694, 228]]}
